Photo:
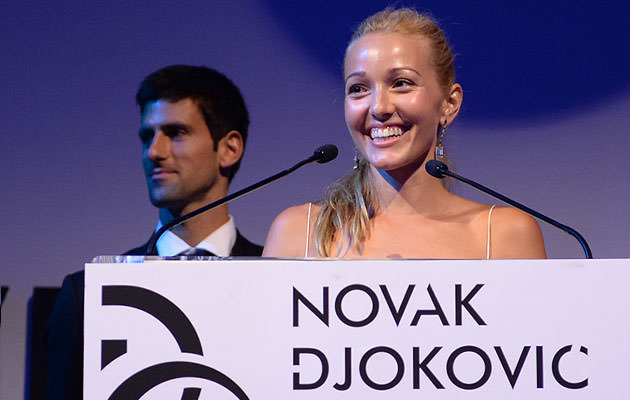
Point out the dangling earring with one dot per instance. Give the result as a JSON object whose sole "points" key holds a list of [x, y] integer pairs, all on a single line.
{"points": [[356, 159], [439, 147]]}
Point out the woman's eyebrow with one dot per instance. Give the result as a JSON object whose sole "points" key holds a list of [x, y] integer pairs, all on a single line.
{"points": [[358, 73], [398, 69]]}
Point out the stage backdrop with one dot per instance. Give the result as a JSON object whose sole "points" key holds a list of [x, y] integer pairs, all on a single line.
{"points": [[545, 117]]}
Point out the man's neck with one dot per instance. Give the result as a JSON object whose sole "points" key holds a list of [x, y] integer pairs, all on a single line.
{"points": [[199, 227]]}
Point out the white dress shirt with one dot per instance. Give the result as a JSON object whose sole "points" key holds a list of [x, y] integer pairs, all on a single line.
{"points": [[219, 242]]}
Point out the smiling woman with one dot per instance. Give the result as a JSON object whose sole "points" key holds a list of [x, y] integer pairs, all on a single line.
{"points": [[400, 97]]}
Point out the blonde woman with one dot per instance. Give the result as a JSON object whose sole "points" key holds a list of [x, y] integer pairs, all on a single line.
{"points": [[400, 97]]}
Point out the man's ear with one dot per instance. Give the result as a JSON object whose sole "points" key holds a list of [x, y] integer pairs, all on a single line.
{"points": [[230, 149]]}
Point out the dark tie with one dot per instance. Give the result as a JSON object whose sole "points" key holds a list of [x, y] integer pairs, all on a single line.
{"points": [[197, 252]]}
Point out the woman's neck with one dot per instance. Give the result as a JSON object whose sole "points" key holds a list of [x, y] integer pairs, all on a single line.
{"points": [[412, 192]]}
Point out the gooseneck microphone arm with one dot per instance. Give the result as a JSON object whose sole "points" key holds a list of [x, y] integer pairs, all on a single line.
{"points": [[438, 169], [322, 154]]}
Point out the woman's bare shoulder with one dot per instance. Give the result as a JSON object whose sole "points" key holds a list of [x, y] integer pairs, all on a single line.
{"points": [[515, 234], [287, 234], [296, 216]]}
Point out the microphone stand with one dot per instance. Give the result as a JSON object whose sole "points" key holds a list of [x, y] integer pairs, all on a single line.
{"points": [[438, 169], [322, 155]]}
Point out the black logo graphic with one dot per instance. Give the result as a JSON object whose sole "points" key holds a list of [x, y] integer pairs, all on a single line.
{"points": [[182, 331]]}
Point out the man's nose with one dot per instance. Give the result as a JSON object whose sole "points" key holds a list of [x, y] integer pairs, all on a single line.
{"points": [[159, 147]]}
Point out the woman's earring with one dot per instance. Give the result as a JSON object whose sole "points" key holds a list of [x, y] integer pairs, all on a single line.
{"points": [[356, 159], [439, 148]]}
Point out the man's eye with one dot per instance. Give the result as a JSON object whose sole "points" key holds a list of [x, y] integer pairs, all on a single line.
{"points": [[174, 132], [145, 136]]}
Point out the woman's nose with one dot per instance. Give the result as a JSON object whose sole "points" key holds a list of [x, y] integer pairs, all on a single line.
{"points": [[382, 107]]}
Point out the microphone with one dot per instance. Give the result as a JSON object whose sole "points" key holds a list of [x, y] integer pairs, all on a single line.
{"points": [[439, 170], [322, 155], [325, 153]]}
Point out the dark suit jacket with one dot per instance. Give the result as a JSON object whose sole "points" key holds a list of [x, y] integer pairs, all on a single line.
{"points": [[64, 331], [242, 247]]}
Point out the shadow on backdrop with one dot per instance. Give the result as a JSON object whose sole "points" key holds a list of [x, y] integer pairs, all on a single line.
{"points": [[526, 60]]}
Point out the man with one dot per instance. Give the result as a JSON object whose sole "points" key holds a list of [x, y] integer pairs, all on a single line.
{"points": [[193, 131]]}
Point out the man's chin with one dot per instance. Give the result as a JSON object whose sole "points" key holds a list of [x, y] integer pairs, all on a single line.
{"points": [[166, 202]]}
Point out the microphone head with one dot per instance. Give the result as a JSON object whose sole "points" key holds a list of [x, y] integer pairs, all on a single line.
{"points": [[325, 153], [436, 168]]}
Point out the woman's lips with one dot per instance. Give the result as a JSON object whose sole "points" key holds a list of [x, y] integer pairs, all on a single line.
{"points": [[385, 136], [385, 132]]}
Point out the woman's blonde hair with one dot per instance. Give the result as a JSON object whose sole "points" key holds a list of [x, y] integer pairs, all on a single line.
{"points": [[407, 21], [351, 201]]}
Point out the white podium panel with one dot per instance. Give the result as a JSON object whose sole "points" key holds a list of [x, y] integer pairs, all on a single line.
{"points": [[383, 329]]}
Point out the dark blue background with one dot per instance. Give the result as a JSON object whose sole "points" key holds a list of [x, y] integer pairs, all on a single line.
{"points": [[515, 59]]}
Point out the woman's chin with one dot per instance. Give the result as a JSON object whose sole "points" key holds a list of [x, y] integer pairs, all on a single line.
{"points": [[384, 165], [391, 164]]}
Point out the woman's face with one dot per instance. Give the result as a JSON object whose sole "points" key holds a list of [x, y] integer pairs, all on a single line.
{"points": [[393, 101]]}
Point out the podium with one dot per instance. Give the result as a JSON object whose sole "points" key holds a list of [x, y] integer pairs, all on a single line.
{"points": [[344, 329]]}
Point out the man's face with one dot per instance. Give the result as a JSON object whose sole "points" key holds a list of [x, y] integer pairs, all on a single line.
{"points": [[180, 163]]}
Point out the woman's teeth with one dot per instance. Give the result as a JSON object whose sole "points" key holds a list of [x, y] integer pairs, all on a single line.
{"points": [[384, 133]]}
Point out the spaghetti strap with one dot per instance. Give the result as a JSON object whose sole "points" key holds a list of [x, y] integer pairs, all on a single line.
{"points": [[308, 230], [488, 247]]}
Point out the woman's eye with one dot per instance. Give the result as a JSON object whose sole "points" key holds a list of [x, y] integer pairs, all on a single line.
{"points": [[402, 83], [354, 89]]}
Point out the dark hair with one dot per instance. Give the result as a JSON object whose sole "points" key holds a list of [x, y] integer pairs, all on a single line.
{"points": [[218, 99]]}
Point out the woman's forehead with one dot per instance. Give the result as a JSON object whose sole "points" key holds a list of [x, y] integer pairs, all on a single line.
{"points": [[387, 48]]}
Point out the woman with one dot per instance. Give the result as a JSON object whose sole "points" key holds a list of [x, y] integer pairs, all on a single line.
{"points": [[400, 97]]}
